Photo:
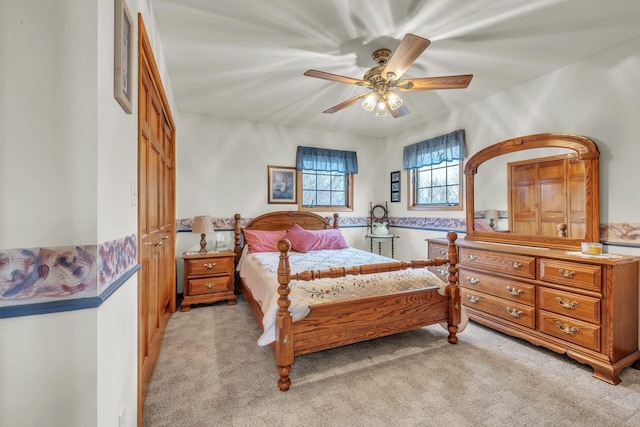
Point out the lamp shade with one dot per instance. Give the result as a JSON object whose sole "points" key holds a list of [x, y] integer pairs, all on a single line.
{"points": [[202, 224]]}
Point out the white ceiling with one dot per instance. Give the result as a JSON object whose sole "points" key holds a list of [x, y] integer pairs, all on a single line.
{"points": [[245, 59]]}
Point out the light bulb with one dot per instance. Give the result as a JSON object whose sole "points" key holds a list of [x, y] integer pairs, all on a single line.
{"points": [[394, 100], [381, 109], [369, 102]]}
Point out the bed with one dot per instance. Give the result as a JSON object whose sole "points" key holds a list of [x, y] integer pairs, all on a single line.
{"points": [[336, 323]]}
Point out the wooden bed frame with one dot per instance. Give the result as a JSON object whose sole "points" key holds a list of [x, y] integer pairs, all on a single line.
{"points": [[340, 323]]}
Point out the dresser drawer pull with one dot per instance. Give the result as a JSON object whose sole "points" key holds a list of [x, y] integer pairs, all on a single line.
{"points": [[209, 285], [443, 272], [442, 252], [566, 329], [472, 257], [210, 265], [566, 304], [567, 274], [473, 299], [514, 312], [473, 280], [514, 291], [516, 265]]}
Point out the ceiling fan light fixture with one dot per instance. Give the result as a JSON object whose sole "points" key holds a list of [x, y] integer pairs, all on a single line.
{"points": [[394, 100], [381, 109], [370, 102]]}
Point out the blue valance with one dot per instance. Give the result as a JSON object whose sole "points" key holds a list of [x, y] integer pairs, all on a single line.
{"points": [[436, 150], [322, 159]]}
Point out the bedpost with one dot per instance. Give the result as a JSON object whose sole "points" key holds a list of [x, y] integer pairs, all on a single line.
{"points": [[335, 220], [236, 237], [284, 322], [453, 289]]}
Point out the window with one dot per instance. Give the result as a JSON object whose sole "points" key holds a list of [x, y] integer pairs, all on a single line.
{"points": [[437, 186], [325, 179], [435, 170]]}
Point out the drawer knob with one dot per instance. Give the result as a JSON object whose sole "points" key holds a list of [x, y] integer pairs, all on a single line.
{"points": [[210, 265], [567, 329], [514, 291], [566, 304], [209, 285], [473, 299], [515, 313], [442, 252], [473, 280], [567, 274], [472, 257], [443, 272], [516, 265]]}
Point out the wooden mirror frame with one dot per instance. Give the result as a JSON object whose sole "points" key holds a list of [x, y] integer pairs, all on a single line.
{"points": [[585, 149]]}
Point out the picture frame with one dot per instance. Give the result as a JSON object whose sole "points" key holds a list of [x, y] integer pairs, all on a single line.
{"points": [[395, 186], [281, 185], [123, 56]]}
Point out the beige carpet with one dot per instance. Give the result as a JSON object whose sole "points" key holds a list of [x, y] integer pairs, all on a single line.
{"points": [[211, 373]]}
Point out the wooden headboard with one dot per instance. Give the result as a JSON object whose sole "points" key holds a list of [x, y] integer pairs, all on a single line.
{"points": [[281, 220]]}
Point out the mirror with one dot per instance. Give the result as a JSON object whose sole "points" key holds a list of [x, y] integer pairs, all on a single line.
{"points": [[378, 212], [517, 176]]}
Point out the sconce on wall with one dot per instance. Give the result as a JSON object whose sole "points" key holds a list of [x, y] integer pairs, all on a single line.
{"points": [[203, 225], [491, 216]]}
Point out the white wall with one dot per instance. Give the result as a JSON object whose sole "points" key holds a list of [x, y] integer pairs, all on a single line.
{"points": [[222, 170], [68, 155], [47, 146], [597, 97]]}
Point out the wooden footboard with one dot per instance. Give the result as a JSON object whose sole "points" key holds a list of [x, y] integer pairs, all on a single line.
{"points": [[345, 322], [335, 324]]}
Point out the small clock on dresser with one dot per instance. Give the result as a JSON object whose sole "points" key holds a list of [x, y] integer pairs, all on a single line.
{"points": [[208, 277]]}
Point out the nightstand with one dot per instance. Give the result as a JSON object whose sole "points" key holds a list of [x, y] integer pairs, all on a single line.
{"points": [[208, 277]]}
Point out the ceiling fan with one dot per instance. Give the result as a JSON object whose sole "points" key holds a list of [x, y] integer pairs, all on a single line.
{"points": [[383, 79]]}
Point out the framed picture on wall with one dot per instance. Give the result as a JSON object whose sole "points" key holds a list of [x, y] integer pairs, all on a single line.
{"points": [[395, 186], [281, 184], [123, 56]]}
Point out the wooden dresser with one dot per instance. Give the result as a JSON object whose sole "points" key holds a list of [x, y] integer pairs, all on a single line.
{"points": [[586, 307]]}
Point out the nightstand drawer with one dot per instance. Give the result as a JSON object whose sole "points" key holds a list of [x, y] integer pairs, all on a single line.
{"points": [[209, 285], [570, 273], [209, 266], [568, 329], [570, 304]]}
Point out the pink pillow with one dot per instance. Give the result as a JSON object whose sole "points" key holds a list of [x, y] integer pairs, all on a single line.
{"points": [[329, 239], [301, 240], [262, 240]]}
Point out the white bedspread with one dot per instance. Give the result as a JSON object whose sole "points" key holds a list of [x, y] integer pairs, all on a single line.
{"points": [[259, 272]]}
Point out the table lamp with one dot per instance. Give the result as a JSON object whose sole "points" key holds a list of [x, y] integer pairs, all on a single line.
{"points": [[491, 215], [204, 225]]}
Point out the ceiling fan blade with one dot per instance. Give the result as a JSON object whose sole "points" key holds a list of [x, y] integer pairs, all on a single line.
{"points": [[345, 104], [398, 112], [410, 48], [431, 83], [335, 78]]}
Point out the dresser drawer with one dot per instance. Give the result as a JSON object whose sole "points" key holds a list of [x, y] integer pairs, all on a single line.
{"points": [[508, 310], [511, 290], [574, 274], [515, 265], [569, 304], [209, 266], [568, 329], [437, 250], [442, 271], [209, 285]]}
